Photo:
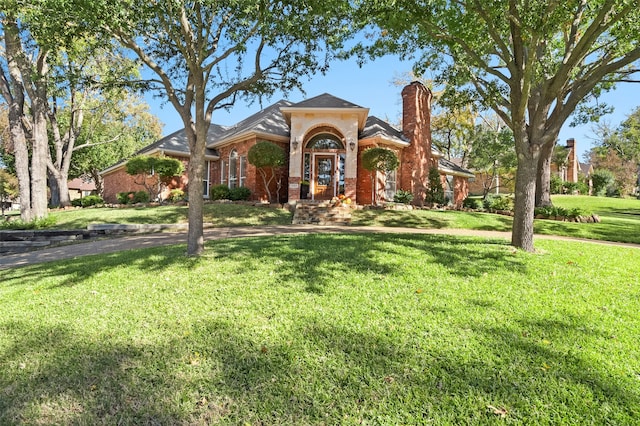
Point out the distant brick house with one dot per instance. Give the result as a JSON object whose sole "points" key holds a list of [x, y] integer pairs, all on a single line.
{"points": [[80, 188], [571, 169], [323, 138]]}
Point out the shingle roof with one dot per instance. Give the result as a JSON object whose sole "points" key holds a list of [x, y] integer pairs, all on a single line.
{"points": [[177, 141], [325, 101], [376, 127], [451, 167], [269, 120]]}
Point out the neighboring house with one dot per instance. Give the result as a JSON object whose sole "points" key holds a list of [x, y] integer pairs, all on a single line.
{"points": [[80, 188], [323, 138], [569, 166]]}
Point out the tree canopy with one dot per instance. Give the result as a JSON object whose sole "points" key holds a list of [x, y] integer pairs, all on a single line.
{"points": [[204, 55], [534, 63], [268, 158]]}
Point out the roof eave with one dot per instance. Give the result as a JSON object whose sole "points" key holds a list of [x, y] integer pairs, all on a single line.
{"points": [[248, 135], [361, 113]]}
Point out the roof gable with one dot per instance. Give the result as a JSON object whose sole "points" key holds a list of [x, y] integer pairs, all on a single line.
{"points": [[325, 101]]}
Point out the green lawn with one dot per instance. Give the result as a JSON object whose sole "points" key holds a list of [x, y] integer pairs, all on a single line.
{"points": [[214, 213], [620, 219], [326, 329]]}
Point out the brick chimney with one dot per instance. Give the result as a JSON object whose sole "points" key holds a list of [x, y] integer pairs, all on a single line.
{"points": [[572, 165], [416, 126]]}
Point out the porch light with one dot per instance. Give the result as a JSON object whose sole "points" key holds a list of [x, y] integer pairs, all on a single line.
{"points": [[352, 145], [295, 144]]}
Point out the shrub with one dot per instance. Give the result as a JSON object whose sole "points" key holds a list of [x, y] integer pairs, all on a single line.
{"points": [[219, 192], [603, 182], [77, 202], [556, 184], [140, 197], [553, 211], [435, 192], [124, 198], [472, 203], [498, 202], [239, 194], [402, 196], [91, 200], [175, 195], [41, 223]]}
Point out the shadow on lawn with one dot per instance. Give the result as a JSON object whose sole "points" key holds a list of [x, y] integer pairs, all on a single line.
{"points": [[322, 372], [318, 260], [315, 260]]}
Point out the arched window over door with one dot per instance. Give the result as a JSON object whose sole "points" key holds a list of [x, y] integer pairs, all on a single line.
{"points": [[325, 141]]}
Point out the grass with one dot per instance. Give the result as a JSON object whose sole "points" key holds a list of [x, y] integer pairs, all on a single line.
{"points": [[214, 213], [620, 219], [325, 329]]}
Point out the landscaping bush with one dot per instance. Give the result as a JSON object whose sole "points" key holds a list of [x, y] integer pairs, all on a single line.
{"points": [[77, 202], [175, 195], [219, 192], [41, 223], [133, 197], [555, 211], [124, 197], [239, 194], [472, 203], [571, 187], [603, 182], [556, 184], [498, 202], [140, 197], [91, 200], [402, 196], [435, 192]]}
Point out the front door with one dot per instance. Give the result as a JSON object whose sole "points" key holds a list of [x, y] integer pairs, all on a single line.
{"points": [[324, 173]]}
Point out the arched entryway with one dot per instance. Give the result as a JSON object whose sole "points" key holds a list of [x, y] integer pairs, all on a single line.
{"points": [[324, 165]]}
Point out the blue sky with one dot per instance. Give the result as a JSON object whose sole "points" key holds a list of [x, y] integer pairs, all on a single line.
{"points": [[372, 87]]}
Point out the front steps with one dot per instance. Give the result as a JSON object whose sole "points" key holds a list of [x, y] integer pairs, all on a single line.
{"points": [[321, 213]]}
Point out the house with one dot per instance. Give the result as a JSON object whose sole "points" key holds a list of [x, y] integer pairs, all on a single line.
{"points": [[323, 138], [80, 188]]}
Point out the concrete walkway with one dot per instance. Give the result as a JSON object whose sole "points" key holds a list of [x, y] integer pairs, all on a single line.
{"points": [[116, 244]]}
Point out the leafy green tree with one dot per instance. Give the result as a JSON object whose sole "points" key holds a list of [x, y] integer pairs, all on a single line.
{"points": [[114, 129], [534, 63], [493, 156], [24, 69], [86, 77], [619, 151], [378, 160], [269, 159], [154, 172], [603, 182], [206, 54]]}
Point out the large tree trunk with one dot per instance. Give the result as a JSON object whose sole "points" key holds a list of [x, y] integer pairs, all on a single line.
{"points": [[522, 232], [197, 141], [543, 178], [195, 237], [40, 153], [54, 192], [59, 186], [21, 153]]}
